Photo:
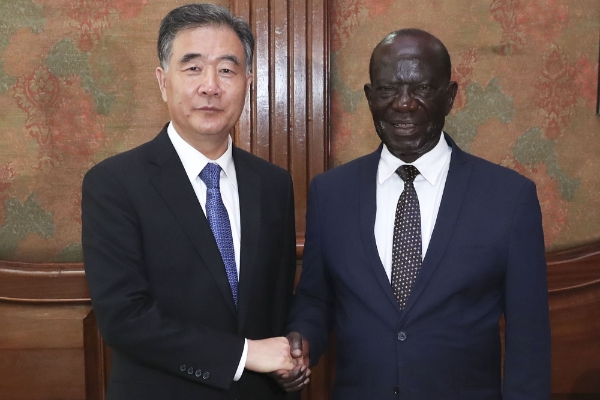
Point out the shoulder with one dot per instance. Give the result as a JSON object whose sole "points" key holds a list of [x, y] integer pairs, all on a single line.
{"points": [[350, 171], [125, 162], [484, 172], [490, 183], [135, 163], [496, 174]]}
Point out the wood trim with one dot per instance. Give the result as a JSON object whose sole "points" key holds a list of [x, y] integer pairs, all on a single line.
{"points": [[43, 282], [286, 119], [94, 360], [574, 269]]}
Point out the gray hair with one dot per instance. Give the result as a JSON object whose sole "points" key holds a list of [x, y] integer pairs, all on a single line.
{"points": [[192, 16]]}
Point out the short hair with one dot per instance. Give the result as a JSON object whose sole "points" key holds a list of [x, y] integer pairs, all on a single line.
{"points": [[416, 33], [192, 16]]}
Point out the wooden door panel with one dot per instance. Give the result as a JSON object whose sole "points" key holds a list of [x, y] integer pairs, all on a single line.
{"points": [[42, 351]]}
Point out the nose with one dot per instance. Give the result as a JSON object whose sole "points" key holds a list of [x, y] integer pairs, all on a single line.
{"points": [[405, 102], [209, 86]]}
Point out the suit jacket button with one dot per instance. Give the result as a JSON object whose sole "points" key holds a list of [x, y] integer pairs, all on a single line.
{"points": [[182, 368], [198, 373], [401, 336], [396, 390], [206, 375], [190, 370]]}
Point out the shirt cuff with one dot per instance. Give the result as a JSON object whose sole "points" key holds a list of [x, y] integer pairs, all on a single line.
{"points": [[240, 369]]}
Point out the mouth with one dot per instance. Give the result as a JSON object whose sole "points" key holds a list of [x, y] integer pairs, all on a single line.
{"points": [[404, 125], [209, 108]]}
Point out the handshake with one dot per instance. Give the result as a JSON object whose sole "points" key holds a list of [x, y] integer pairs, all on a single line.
{"points": [[285, 359]]}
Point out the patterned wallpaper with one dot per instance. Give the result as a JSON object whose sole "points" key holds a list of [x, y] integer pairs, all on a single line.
{"points": [[528, 78], [77, 85]]}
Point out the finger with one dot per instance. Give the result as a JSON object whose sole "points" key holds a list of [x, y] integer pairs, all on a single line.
{"points": [[296, 381], [292, 375], [295, 340], [296, 385], [281, 374]]}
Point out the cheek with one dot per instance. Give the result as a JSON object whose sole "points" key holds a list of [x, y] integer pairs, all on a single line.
{"points": [[378, 110]]}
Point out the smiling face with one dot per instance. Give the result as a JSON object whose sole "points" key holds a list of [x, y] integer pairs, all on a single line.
{"points": [[409, 95], [205, 86]]}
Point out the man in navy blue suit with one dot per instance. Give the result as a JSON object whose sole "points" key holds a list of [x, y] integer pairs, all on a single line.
{"points": [[416, 298]]}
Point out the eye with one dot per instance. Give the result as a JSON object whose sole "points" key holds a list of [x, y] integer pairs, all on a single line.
{"points": [[194, 69], [386, 91], [424, 89]]}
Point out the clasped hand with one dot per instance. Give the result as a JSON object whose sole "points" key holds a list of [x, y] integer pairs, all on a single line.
{"points": [[285, 359]]}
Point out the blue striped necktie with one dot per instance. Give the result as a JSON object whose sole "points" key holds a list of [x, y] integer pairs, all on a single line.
{"points": [[217, 216]]}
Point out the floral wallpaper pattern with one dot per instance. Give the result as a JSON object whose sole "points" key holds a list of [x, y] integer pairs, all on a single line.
{"points": [[528, 79], [77, 85]]}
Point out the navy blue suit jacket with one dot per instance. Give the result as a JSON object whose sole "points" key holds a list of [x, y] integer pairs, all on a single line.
{"points": [[485, 260]]}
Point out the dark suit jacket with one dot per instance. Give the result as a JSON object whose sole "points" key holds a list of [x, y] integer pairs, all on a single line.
{"points": [[485, 259], [158, 284]]}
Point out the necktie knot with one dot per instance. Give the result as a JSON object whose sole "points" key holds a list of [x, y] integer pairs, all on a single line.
{"points": [[408, 173], [211, 175]]}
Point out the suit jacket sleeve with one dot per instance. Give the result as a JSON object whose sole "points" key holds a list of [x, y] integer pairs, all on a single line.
{"points": [[287, 268], [527, 358], [130, 320], [313, 306]]}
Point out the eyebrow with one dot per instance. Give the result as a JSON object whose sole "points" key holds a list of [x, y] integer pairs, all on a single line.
{"points": [[191, 56]]}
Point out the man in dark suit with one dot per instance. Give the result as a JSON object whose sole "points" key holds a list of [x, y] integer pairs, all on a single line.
{"points": [[415, 252], [189, 242]]}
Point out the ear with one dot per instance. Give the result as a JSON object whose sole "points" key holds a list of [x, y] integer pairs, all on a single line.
{"points": [[161, 76], [451, 91], [249, 78], [368, 88]]}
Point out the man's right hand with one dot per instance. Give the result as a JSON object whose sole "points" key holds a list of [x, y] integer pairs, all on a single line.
{"points": [[297, 378], [269, 355]]}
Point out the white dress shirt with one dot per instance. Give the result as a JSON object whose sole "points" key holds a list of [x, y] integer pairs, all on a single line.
{"points": [[194, 162], [429, 184]]}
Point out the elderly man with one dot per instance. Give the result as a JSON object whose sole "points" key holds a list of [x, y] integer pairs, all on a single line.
{"points": [[189, 242], [415, 252]]}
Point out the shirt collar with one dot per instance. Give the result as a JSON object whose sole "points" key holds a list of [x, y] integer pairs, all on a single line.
{"points": [[429, 164], [194, 161]]}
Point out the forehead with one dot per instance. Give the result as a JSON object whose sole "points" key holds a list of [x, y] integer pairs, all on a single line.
{"points": [[407, 57], [210, 41]]}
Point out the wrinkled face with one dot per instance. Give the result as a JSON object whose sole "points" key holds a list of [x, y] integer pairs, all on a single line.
{"points": [[408, 96], [206, 83]]}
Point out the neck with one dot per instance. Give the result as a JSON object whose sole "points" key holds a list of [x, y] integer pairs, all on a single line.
{"points": [[211, 146], [211, 150]]}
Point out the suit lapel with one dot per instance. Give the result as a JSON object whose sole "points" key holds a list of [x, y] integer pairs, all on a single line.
{"points": [[249, 193], [367, 209], [454, 192], [174, 186]]}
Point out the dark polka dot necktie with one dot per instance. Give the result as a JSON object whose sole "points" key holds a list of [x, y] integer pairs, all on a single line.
{"points": [[217, 216], [406, 251]]}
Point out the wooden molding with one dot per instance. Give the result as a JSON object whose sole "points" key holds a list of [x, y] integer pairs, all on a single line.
{"points": [[574, 269], [286, 119], [43, 282]]}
